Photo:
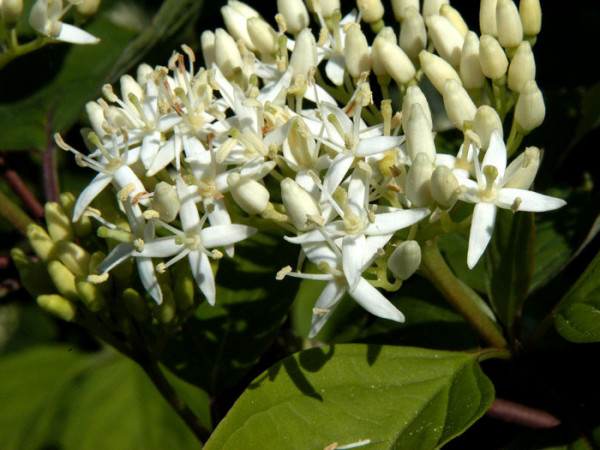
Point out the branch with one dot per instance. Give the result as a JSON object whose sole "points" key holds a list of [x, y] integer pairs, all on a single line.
{"points": [[521, 415]]}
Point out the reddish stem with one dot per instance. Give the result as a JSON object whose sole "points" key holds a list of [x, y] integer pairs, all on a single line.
{"points": [[521, 415], [18, 186]]}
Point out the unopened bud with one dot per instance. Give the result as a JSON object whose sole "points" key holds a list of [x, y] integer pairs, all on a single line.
{"points": [[522, 170], [414, 95], [419, 137], [11, 11], [136, 305], [41, 243], [413, 35], [405, 260], [443, 186], [165, 312], [356, 51], [87, 8], [455, 18], [90, 295], [166, 201], [377, 59], [417, 183], [396, 62], [458, 104], [493, 59], [437, 70], [531, 16], [83, 227], [184, 287], [432, 7], [34, 276], [74, 257], [227, 54], [129, 88], [304, 55], [530, 110], [63, 280], [326, 7], [470, 64], [447, 40], [249, 194], [207, 42], [263, 36], [400, 8], [510, 29], [372, 10], [58, 222], [294, 13], [487, 17], [235, 14], [57, 306], [299, 204], [522, 67], [486, 121]]}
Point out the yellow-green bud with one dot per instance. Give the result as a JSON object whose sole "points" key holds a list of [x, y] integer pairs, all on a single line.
{"points": [[165, 312], [372, 10], [530, 110], [90, 295], [447, 40], [74, 257], [510, 29], [165, 201], [356, 51], [470, 64], [487, 17], [11, 11], [41, 243], [184, 287], [58, 223], [83, 227], [136, 305], [417, 183], [63, 279], [443, 186], [34, 276], [522, 67], [87, 8], [57, 306], [405, 260], [493, 59], [400, 8], [413, 35], [458, 104], [522, 171], [531, 16], [486, 121], [437, 70], [249, 194]]}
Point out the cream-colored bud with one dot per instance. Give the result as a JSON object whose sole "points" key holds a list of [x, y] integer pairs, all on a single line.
{"points": [[166, 201], [144, 74], [11, 11], [87, 8], [263, 36], [227, 54], [57, 306], [397, 64], [508, 21], [387, 34], [74, 257], [413, 35], [447, 40], [531, 16], [130, 87], [90, 295], [249, 194], [294, 13], [486, 121], [530, 110], [458, 104], [418, 181], [58, 223], [470, 64], [356, 51], [414, 95], [400, 6], [443, 186], [42, 244], [522, 171], [304, 55], [437, 70], [207, 42], [432, 7], [63, 279], [299, 204], [521, 68], [405, 260], [487, 17], [419, 137], [235, 14], [494, 62], [455, 18], [372, 10], [95, 113], [326, 7]]}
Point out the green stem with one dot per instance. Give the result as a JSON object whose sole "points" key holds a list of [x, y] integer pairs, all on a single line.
{"points": [[13, 214], [460, 296], [20, 50]]}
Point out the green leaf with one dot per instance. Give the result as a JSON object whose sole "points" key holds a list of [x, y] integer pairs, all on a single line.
{"points": [[396, 397], [578, 316], [510, 264]]}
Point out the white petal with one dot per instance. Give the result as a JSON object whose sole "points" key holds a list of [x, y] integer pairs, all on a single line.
{"points": [[378, 144], [391, 222], [482, 226], [74, 35], [88, 195], [373, 244], [352, 256], [150, 146], [321, 252], [163, 157], [192, 145], [327, 301], [118, 254], [337, 171], [160, 248], [223, 235], [203, 275], [529, 200], [335, 69], [373, 301], [148, 277], [496, 154]]}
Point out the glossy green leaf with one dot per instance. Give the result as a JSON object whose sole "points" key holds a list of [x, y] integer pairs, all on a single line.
{"points": [[578, 316], [394, 397], [510, 263]]}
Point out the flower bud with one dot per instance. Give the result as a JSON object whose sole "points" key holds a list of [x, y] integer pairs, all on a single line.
{"points": [[227, 54], [235, 14], [395, 61], [387, 34], [184, 287], [34, 276], [136, 305], [263, 36], [508, 21], [58, 223], [249, 194], [63, 280], [400, 8], [417, 183], [41, 243], [57, 306], [487, 17], [326, 7], [530, 109], [144, 74], [470, 64], [87, 8], [207, 42], [486, 121], [294, 13], [299, 204], [83, 227], [11, 11], [493, 59], [458, 104], [405, 260], [165, 312], [304, 55], [165, 201], [413, 35], [356, 51], [90, 295], [96, 115], [443, 186], [432, 7], [419, 137], [447, 40], [372, 10], [130, 87], [437, 70], [531, 16], [522, 171], [74, 257], [521, 68], [414, 95], [455, 18]]}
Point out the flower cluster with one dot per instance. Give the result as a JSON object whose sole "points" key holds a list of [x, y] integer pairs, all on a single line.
{"points": [[195, 155]]}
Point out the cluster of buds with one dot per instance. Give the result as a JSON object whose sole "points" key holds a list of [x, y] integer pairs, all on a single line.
{"points": [[196, 156]]}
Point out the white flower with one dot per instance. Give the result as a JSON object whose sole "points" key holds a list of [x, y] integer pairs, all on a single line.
{"points": [[488, 193], [45, 18]]}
